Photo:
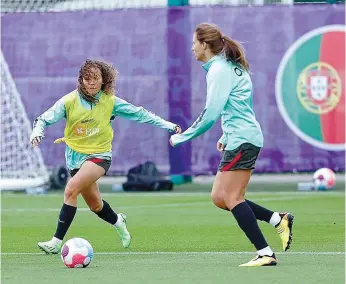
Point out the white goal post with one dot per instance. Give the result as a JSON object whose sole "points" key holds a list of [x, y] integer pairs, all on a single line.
{"points": [[22, 166]]}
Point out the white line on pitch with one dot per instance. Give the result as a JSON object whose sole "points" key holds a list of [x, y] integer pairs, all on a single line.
{"points": [[192, 253], [179, 194], [141, 206]]}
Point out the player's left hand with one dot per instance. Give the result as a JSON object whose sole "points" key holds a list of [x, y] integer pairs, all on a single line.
{"points": [[220, 147], [36, 141], [170, 142]]}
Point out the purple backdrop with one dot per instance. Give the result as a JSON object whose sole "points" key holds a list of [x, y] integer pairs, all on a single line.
{"points": [[151, 50]]}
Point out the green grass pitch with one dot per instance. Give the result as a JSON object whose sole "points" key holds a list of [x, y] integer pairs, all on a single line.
{"points": [[177, 238]]}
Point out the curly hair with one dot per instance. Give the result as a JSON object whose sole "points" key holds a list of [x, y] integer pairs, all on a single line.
{"points": [[108, 73]]}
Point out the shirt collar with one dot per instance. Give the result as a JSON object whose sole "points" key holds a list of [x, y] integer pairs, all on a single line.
{"points": [[207, 65], [98, 95]]}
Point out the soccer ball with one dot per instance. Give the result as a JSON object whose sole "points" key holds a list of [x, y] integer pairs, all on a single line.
{"points": [[324, 179], [77, 252]]}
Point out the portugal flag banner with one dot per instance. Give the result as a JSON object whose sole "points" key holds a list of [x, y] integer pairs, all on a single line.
{"points": [[310, 87]]}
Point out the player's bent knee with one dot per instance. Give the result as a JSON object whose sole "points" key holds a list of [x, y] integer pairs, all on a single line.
{"points": [[220, 204], [95, 206], [217, 200], [72, 191], [232, 201]]}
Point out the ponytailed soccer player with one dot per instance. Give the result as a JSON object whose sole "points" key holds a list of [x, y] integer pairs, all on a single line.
{"points": [[89, 111], [229, 95]]}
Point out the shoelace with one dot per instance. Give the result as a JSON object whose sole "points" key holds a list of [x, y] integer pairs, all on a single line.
{"points": [[280, 229]]}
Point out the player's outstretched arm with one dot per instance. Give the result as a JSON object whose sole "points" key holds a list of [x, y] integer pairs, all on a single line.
{"points": [[218, 90], [127, 110], [49, 117]]}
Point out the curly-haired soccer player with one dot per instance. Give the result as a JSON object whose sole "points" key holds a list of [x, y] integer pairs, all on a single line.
{"points": [[88, 135]]}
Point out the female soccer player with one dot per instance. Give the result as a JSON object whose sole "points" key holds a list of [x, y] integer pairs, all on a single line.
{"points": [[229, 95], [88, 135]]}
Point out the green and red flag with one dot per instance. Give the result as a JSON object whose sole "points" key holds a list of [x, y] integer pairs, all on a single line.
{"points": [[310, 87]]}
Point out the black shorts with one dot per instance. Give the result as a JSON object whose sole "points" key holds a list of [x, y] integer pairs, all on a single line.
{"points": [[242, 158], [104, 163]]}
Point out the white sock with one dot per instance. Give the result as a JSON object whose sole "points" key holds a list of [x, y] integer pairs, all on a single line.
{"points": [[56, 241], [119, 221], [275, 219], [265, 251]]}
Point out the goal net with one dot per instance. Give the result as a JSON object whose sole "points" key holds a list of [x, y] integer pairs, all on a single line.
{"points": [[73, 5], [22, 165]]}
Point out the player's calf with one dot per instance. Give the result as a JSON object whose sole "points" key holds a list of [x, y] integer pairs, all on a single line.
{"points": [[118, 220]]}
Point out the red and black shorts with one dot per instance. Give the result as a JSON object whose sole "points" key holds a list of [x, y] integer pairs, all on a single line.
{"points": [[242, 158], [104, 163]]}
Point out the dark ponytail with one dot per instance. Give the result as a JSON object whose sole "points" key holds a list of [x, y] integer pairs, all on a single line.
{"points": [[235, 52], [218, 44]]}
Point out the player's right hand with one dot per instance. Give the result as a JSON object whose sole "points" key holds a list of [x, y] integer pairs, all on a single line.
{"points": [[220, 147], [36, 140]]}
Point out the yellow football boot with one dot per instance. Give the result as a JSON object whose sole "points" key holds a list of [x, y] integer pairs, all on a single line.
{"points": [[259, 260], [284, 229]]}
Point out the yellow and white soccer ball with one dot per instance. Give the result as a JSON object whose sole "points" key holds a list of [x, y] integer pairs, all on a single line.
{"points": [[324, 179]]}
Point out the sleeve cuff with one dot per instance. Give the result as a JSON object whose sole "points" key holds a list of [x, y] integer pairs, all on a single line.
{"points": [[36, 133], [178, 139], [223, 139], [174, 139], [171, 126]]}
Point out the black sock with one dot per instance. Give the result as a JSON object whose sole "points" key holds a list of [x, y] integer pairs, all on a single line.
{"points": [[248, 223], [260, 212], [66, 216], [107, 213]]}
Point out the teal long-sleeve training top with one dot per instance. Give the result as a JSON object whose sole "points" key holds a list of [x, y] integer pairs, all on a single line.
{"points": [[229, 95], [122, 108]]}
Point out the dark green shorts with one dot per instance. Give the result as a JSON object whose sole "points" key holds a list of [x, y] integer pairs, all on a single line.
{"points": [[242, 158], [104, 163]]}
